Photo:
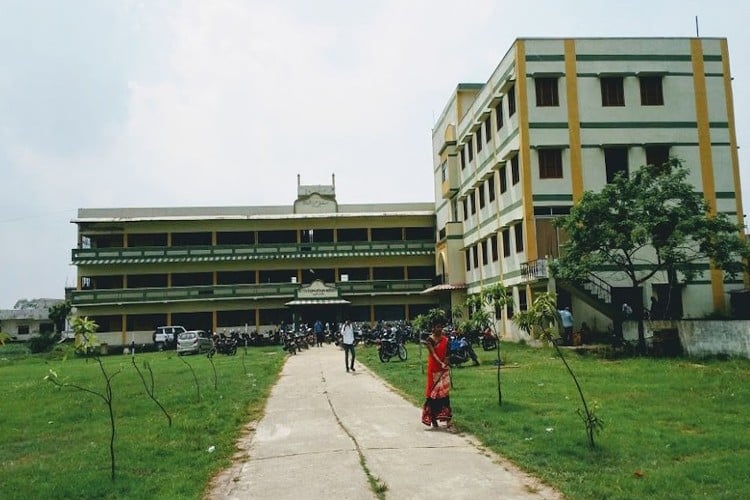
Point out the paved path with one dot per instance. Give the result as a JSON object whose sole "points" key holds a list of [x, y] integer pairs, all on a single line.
{"points": [[325, 430]]}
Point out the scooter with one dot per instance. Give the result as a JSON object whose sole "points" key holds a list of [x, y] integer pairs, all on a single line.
{"points": [[460, 351]]}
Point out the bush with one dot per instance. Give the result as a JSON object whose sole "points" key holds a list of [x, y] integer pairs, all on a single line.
{"points": [[15, 349], [42, 343], [61, 351]]}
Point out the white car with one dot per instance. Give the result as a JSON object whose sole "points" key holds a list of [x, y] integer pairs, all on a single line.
{"points": [[194, 341]]}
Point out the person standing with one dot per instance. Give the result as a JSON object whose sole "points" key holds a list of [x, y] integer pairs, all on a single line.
{"points": [[437, 406], [567, 324], [347, 340]]}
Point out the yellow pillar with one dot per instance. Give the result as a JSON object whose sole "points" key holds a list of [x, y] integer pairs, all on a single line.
{"points": [[574, 121], [524, 151]]}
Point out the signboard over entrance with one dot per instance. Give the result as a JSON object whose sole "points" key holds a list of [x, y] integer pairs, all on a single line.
{"points": [[317, 290]]}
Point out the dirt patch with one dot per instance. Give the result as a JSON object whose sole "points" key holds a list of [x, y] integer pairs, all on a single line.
{"points": [[221, 484]]}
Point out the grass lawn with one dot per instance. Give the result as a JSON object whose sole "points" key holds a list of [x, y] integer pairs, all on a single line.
{"points": [[674, 428], [55, 441]]}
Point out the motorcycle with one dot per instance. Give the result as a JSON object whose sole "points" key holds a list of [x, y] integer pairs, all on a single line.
{"points": [[489, 340], [225, 345], [460, 351], [390, 345]]}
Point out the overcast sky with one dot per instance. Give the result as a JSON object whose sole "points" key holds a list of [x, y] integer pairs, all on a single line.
{"points": [[119, 103]]}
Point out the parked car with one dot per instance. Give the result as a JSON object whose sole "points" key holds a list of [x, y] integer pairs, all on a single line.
{"points": [[194, 341], [166, 336]]}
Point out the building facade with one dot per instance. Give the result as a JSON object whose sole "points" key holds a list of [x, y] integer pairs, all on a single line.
{"points": [[559, 117], [28, 319], [252, 268]]}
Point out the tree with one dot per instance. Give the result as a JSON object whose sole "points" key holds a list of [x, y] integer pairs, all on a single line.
{"points": [[542, 321], [58, 314], [651, 222], [494, 298]]}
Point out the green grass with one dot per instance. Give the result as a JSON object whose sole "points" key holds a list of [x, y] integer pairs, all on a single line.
{"points": [[674, 428], [55, 441]]}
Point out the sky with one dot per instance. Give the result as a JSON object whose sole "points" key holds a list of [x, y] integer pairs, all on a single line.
{"points": [[125, 103]]}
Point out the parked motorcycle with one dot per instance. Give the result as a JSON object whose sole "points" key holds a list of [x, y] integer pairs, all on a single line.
{"points": [[390, 345], [225, 345], [489, 340], [460, 351]]}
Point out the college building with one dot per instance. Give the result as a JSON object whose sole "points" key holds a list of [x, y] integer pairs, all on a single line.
{"points": [[252, 268], [559, 117]]}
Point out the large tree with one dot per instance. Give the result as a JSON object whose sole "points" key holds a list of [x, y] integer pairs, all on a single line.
{"points": [[651, 222]]}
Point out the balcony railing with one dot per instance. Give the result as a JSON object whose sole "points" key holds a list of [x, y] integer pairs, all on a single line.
{"points": [[535, 270], [220, 253], [235, 292]]}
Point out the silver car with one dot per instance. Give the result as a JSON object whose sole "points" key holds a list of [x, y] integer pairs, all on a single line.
{"points": [[194, 341]]}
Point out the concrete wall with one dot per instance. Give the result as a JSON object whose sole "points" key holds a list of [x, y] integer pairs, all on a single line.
{"points": [[701, 338]]}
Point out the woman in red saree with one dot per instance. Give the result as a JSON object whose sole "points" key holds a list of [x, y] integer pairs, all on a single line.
{"points": [[437, 407]]}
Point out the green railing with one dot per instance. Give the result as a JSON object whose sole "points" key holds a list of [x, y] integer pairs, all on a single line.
{"points": [[156, 255], [234, 292]]}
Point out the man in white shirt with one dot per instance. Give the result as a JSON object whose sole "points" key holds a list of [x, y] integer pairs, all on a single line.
{"points": [[567, 324], [347, 339]]}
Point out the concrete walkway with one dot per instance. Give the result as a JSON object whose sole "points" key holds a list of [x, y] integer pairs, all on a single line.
{"points": [[329, 434]]}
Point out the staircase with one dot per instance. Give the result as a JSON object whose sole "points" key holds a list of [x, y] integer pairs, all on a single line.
{"points": [[595, 292]]}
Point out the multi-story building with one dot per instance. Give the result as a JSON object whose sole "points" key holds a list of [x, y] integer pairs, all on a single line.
{"points": [[559, 117], [225, 268]]}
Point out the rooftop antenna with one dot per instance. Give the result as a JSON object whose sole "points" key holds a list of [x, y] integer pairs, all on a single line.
{"points": [[697, 31]]}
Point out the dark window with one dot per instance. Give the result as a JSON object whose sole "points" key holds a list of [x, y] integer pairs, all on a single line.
{"points": [[550, 164], [354, 234], [522, 300], [273, 237], [419, 233], [147, 240], [191, 239], [506, 242], [467, 253], [487, 129], [514, 174], [386, 234], [616, 161], [192, 279], [613, 93], [651, 91], [493, 247], [235, 238], [388, 273], [503, 180], [465, 204], [444, 171], [480, 143], [421, 272], [462, 157], [518, 229], [509, 310], [485, 255], [481, 196], [473, 202], [491, 188], [512, 100], [470, 147], [546, 92], [657, 155], [475, 250], [499, 115]]}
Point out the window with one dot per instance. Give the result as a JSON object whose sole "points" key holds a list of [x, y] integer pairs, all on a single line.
{"points": [[651, 91], [23, 329], [546, 92], [485, 255], [514, 174], [467, 253], [475, 250], [470, 147], [503, 180], [657, 155], [444, 171], [512, 100], [522, 300], [479, 139], [454, 210], [518, 228], [493, 247], [487, 129], [466, 209], [616, 161], [509, 310], [506, 242], [473, 202], [499, 114], [613, 93], [481, 196], [462, 157], [550, 163], [491, 188]]}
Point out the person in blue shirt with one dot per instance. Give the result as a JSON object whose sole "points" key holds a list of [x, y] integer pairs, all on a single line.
{"points": [[567, 323], [319, 334]]}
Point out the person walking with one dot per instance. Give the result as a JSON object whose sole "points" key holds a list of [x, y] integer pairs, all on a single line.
{"points": [[437, 406], [319, 335], [567, 323], [347, 340]]}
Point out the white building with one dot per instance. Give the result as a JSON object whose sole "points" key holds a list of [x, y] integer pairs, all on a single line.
{"points": [[558, 117]]}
